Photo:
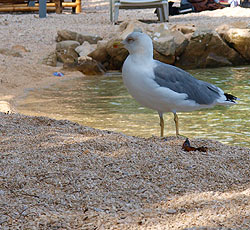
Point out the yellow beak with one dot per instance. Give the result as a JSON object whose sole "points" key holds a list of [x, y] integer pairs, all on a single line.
{"points": [[118, 44]]}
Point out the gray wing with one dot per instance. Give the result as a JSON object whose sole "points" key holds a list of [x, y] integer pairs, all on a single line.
{"points": [[180, 81]]}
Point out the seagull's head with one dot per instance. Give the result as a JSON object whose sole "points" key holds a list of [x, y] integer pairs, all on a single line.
{"points": [[139, 43]]}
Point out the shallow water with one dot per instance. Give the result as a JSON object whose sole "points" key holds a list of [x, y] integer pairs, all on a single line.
{"points": [[103, 102]]}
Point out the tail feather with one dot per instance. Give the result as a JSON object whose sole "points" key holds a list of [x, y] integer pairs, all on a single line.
{"points": [[230, 97]]}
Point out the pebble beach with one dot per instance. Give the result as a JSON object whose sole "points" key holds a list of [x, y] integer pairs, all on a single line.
{"points": [[61, 175]]}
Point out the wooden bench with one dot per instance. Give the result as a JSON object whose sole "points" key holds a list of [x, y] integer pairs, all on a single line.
{"points": [[29, 6]]}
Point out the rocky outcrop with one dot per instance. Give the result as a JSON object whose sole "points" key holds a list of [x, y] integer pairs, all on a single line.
{"points": [[207, 49], [72, 50], [239, 39], [182, 45]]}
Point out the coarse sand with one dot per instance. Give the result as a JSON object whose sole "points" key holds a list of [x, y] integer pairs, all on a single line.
{"points": [[61, 175]]}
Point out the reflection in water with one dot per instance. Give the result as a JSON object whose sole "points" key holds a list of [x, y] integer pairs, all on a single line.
{"points": [[103, 102]]}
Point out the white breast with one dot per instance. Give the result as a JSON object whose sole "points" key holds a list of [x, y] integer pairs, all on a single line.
{"points": [[138, 77]]}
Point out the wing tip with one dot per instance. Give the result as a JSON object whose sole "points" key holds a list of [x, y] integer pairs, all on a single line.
{"points": [[231, 98]]}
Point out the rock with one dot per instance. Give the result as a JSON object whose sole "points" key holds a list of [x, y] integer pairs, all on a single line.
{"points": [[10, 52], [207, 49], [171, 211], [67, 44], [5, 107], [88, 66], [163, 58], [128, 27], [239, 39], [213, 60], [20, 48], [63, 35], [100, 54], [67, 56], [169, 43], [185, 29], [165, 45], [180, 42], [51, 59], [85, 49], [65, 51], [116, 55]]}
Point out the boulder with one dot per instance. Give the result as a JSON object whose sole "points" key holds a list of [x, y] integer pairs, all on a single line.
{"points": [[67, 44], [67, 56], [88, 66], [117, 55], [85, 49], [128, 27], [164, 59], [207, 49], [50, 59], [63, 35], [213, 60], [100, 54], [239, 39], [165, 45], [169, 43]]}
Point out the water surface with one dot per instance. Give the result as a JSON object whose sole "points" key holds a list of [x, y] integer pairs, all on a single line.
{"points": [[103, 102]]}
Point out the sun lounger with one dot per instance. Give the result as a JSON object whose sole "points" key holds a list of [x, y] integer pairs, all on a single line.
{"points": [[160, 5]]}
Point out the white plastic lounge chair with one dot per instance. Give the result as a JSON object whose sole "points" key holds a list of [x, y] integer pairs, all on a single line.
{"points": [[160, 5]]}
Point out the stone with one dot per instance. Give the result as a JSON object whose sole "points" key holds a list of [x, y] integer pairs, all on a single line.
{"points": [[5, 107], [169, 43], [10, 52], [171, 211], [50, 59], [185, 29], [207, 49], [213, 60], [67, 56], [239, 39], [67, 44], [180, 42], [63, 35], [117, 55], [128, 27], [165, 45], [20, 48], [163, 58], [100, 54], [89, 66], [85, 49]]}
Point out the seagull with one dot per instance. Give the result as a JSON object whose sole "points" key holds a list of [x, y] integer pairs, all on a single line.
{"points": [[163, 87]]}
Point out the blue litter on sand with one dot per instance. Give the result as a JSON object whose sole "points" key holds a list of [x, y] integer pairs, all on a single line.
{"points": [[58, 74]]}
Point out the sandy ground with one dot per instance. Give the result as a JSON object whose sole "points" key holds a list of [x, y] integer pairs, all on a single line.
{"points": [[60, 175]]}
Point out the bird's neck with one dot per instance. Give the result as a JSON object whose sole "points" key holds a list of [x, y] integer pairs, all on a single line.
{"points": [[141, 58]]}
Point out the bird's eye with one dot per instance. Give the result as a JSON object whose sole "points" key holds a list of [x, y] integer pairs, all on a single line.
{"points": [[130, 40]]}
